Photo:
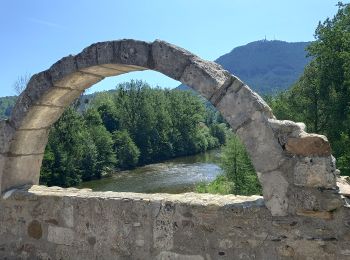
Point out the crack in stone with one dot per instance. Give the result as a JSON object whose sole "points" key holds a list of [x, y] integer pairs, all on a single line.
{"points": [[243, 124], [221, 92]]}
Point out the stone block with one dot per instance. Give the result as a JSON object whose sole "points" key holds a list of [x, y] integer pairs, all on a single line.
{"points": [[309, 145], [6, 134], [205, 77], [38, 85], [60, 235], [20, 170], [62, 68], [26, 142], [344, 186], [287, 127], [233, 86], [170, 59], [27, 116], [87, 57], [134, 52], [264, 150], [240, 104], [67, 215], [275, 188], [107, 52], [315, 172]]}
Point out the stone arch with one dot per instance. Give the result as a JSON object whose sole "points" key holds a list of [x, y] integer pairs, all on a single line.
{"points": [[285, 157]]}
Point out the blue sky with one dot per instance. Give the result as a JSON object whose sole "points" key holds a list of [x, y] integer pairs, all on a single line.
{"points": [[37, 33]]}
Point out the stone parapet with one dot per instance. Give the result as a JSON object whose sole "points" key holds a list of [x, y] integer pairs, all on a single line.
{"points": [[55, 223]]}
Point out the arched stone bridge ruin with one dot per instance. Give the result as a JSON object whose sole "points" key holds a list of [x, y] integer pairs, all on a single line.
{"points": [[302, 213]]}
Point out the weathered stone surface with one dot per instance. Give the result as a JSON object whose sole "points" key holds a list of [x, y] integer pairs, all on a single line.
{"points": [[34, 230], [78, 80], [36, 117], [285, 129], [28, 166], [59, 97], [315, 172], [62, 68], [343, 185], [35, 139], [264, 150], [275, 188], [102, 71], [309, 145], [60, 235], [110, 225], [316, 214], [165, 255], [205, 77], [239, 104], [133, 52], [6, 134], [170, 59]]}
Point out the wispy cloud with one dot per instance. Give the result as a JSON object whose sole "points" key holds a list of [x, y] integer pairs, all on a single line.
{"points": [[46, 23]]}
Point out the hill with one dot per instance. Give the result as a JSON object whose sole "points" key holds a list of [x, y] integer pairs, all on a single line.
{"points": [[266, 66]]}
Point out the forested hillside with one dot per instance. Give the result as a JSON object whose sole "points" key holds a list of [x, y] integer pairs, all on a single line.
{"points": [[266, 66]]}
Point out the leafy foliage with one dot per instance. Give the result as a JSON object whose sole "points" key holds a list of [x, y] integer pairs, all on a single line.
{"points": [[6, 105], [321, 97], [239, 176]]}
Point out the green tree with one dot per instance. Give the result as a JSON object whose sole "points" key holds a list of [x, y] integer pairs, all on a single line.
{"points": [[106, 158], [238, 168], [69, 149], [125, 149]]}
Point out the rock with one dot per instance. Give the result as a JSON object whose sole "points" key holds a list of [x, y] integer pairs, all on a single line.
{"points": [[287, 127], [315, 172], [275, 188], [309, 145], [343, 185]]}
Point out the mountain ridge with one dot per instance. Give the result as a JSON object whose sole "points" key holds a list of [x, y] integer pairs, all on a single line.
{"points": [[266, 66]]}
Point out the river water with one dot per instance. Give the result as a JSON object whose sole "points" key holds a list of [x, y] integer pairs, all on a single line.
{"points": [[173, 176]]}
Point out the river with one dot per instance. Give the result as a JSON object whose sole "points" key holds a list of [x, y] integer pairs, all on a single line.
{"points": [[173, 176]]}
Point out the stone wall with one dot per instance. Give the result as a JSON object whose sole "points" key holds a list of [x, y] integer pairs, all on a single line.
{"points": [[56, 223]]}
